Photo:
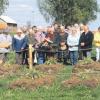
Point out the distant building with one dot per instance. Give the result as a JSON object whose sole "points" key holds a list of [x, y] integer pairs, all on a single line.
{"points": [[12, 25]]}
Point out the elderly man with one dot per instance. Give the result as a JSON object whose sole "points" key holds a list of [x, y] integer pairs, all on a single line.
{"points": [[61, 41], [5, 44], [19, 44], [86, 40]]}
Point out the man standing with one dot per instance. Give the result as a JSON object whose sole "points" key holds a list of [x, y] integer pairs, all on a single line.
{"points": [[85, 43], [19, 43], [61, 41]]}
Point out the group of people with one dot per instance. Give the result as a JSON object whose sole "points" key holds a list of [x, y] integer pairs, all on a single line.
{"points": [[74, 42]]}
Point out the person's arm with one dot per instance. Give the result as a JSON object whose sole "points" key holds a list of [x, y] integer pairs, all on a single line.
{"points": [[24, 43], [68, 41]]}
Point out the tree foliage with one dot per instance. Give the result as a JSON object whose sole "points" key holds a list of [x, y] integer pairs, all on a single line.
{"points": [[69, 11], [3, 5]]}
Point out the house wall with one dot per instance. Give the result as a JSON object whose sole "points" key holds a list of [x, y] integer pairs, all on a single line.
{"points": [[13, 27]]}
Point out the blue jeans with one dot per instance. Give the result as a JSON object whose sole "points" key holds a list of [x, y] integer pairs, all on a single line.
{"points": [[74, 57], [41, 58]]}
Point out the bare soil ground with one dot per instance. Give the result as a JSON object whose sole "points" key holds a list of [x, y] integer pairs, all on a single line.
{"points": [[72, 82], [28, 83], [87, 74], [47, 79], [49, 69], [94, 66], [8, 69], [76, 81]]}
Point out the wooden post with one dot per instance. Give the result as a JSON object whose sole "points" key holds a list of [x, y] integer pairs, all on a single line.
{"points": [[30, 57]]}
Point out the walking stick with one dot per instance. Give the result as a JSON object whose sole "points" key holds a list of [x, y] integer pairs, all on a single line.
{"points": [[30, 57]]}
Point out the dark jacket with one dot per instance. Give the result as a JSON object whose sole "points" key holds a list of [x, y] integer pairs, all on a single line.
{"points": [[59, 38], [19, 43], [31, 39], [87, 39]]}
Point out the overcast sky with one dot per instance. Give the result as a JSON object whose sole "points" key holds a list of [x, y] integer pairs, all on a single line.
{"points": [[23, 11]]}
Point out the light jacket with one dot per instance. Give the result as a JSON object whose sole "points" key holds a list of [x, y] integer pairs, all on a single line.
{"points": [[73, 42]]}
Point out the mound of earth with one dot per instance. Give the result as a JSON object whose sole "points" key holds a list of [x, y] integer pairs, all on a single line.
{"points": [[76, 80], [8, 69], [72, 82], [94, 66], [49, 69], [27, 83], [92, 83], [86, 73]]}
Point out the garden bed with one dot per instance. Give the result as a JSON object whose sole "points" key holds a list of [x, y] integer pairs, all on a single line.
{"points": [[28, 83], [86, 73], [9, 69], [49, 69]]}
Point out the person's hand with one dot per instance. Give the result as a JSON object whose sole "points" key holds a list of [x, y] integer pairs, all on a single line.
{"points": [[83, 44], [22, 49]]}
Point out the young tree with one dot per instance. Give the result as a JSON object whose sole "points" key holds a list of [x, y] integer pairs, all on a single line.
{"points": [[3, 5], [68, 11]]}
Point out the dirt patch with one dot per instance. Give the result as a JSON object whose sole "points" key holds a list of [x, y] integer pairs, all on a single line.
{"points": [[31, 83], [72, 82], [7, 69], [94, 66], [49, 69], [86, 73], [76, 80], [92, 83]]}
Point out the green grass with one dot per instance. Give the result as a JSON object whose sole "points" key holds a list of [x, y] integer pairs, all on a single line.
{"points": [[54, 92]]}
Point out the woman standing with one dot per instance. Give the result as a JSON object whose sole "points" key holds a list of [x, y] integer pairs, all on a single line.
{"points": [[97, 44], [73, 43]]}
